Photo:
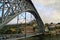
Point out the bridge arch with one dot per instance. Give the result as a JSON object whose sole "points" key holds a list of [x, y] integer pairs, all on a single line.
{"points": [[19, 7], [38, 20]]}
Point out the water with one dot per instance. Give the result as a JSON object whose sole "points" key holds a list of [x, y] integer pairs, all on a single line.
{"points": [[43, 37]]}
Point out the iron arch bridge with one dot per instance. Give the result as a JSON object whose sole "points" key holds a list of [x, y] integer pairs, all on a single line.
{"points": [[11, 8]]}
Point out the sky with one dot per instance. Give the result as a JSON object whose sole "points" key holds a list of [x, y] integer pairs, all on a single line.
{"points": [[29, 18], [49, 10]]}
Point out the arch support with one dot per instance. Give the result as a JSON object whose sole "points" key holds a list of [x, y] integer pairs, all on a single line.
{"points": [[39, 21], [16, 7]]}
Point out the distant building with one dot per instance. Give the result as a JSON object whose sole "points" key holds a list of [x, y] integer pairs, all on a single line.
{"points": [[51, 27], [58, 28]]}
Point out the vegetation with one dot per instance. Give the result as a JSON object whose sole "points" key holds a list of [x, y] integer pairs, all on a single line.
{"points": [[12, 29]]}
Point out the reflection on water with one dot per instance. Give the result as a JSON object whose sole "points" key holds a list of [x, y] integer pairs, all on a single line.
{"points": [[42, 37]]}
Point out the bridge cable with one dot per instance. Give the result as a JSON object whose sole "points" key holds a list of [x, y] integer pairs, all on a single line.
{"points": [[25, 23], [17, 23]]}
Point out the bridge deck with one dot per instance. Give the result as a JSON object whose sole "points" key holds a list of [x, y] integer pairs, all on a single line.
{"points": [[17, 36]]}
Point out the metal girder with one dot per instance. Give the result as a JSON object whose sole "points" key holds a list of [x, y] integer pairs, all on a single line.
{"points": [[16, 7]]}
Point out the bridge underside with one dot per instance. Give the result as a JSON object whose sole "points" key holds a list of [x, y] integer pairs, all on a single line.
{"points": [[16, 7]]}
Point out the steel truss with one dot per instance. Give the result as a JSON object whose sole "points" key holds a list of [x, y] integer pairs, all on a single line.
{"points": [[11, 8]]}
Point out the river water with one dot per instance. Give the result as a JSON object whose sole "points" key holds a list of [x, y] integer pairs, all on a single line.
{"points": [[43, 37]]}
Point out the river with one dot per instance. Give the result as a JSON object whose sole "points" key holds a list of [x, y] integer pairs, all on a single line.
{"points": [[43, 37]]}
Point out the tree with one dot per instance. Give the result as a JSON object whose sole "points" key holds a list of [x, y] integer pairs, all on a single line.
{"points": [[8, 32]]}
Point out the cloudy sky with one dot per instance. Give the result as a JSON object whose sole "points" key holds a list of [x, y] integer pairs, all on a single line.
{"points": [[49, 10]]}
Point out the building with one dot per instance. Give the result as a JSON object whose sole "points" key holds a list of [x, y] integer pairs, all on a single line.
{"points": [[57, 28]]}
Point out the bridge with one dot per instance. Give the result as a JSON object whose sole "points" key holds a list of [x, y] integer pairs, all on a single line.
{"points": [[12, 8]]}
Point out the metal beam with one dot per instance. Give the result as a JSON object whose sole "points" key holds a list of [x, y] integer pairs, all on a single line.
{"points": [[17, 7]]}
